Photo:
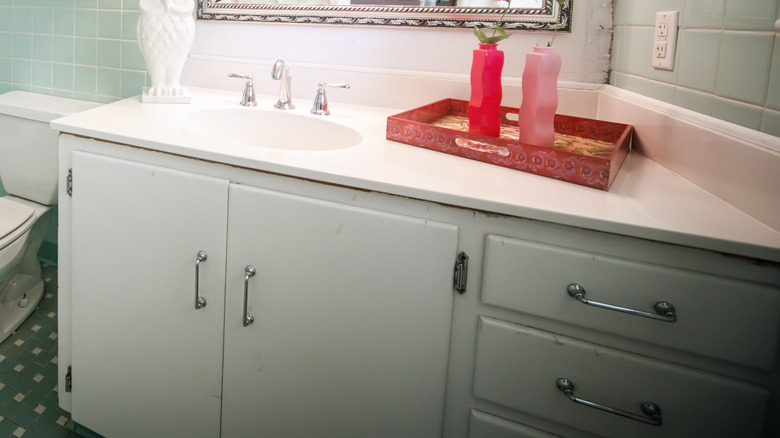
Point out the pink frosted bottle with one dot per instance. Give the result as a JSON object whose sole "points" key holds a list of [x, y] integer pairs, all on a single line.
{"points": [[540, 97]]}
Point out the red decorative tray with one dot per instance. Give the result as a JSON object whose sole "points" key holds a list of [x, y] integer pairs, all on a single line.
{"points": [[587, 152]]}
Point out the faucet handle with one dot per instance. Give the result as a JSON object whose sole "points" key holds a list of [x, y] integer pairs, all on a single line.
{"points": [[321, 101], [248, 97]]}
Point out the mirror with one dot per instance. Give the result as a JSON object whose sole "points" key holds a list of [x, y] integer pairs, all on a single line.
{"points": [[521, 15]]}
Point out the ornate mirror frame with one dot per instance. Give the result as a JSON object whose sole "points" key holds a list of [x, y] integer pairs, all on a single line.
{"points": [[373, 15]]}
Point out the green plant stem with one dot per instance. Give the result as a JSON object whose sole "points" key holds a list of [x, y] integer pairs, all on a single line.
{"points": [[557, 23], [501, 20]]}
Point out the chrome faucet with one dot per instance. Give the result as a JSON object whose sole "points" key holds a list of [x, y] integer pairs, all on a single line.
{"points": [[248, 97], [280, 72], [320, 106]]}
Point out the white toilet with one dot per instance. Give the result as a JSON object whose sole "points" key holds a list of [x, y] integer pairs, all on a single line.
{"points": [[28, 171]]}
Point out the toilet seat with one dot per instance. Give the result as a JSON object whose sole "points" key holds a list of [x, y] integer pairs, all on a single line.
{"points": [[13, 216]]}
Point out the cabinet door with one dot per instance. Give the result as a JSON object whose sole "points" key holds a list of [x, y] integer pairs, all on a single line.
{"points": [[145, 361], [352, 311]]}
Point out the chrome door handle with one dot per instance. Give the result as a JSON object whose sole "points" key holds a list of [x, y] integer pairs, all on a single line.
{"points": [[200, 302], [249, 272], [664, 310], [651, 411]]}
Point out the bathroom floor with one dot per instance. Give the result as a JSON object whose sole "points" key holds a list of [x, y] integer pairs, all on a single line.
{"points": [[28, 373]]}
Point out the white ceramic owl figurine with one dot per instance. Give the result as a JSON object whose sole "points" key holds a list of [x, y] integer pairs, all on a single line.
{"points": [[166, 30]]}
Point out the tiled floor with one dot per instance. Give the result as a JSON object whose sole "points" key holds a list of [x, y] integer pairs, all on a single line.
{"points": [[28, 373]]}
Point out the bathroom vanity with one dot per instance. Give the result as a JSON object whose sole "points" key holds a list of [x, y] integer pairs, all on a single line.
{"points": [[211, 287]]}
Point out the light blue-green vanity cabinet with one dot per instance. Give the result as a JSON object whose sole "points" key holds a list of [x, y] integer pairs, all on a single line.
{"points": [[357, 329], [350, 309]]}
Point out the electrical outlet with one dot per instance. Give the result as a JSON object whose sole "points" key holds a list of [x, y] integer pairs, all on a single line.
{"points": [[665, 40], [660, 49]]}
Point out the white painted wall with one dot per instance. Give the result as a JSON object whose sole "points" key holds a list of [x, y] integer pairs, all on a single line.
{"points": [[338, 53]]}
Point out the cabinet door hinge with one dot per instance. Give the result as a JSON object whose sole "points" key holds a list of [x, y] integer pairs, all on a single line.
{"points": [[69, 183], [69, 380], [461, 272]]}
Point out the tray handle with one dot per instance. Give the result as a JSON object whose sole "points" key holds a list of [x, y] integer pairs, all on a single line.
{"points": [[479, 146]]}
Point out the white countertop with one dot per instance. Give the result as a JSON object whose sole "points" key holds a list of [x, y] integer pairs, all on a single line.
{"points": [[645, 200]]}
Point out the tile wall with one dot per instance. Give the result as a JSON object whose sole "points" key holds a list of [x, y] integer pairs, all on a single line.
{"points": [[727, 64], [728, 55], [85, 49]]}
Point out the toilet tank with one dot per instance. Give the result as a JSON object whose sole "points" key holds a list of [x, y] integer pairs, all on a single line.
{"points": [[28, 146]]}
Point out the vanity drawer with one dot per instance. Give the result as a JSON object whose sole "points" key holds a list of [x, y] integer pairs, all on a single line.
{"points": [[519, 367], [482, 425], [732, 320]]}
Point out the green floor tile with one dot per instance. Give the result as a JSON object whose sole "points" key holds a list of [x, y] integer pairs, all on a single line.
{"points": [[50, 371], [42, 334], [19, 414], [7, 396], [7, 427], [37, 431], [10, 357], [35, 397], [26, 358], [16, 382], [51, 401], [48, 419], [37, 334]]}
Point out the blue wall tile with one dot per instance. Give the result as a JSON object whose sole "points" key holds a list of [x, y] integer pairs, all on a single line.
{"points": [[728, 57], [85, 49]]}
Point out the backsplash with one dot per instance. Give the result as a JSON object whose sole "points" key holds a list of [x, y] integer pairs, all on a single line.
{"points": [[85, 49], [727, 64]]}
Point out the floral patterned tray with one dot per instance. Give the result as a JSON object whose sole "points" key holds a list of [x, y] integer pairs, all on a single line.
{"points": [[586, 152]]}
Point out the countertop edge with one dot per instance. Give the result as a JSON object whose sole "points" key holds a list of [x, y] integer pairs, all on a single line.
{"points": [[760, 242]]}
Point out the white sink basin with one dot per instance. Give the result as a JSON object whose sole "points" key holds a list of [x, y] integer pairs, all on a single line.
{"points": [[270, 129]]}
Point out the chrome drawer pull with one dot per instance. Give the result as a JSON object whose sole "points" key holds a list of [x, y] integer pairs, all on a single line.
{"points": [[664, 311], [249, 272], [651, 410], [200, 302]]}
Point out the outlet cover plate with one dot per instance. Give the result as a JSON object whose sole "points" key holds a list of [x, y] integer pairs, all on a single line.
{"points": [[665, 40]]}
